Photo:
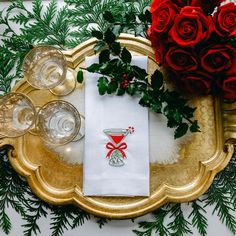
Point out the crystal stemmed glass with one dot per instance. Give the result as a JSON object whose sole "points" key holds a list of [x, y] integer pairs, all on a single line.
{"points": [[45, 67], [58, 122], [17, 115]]}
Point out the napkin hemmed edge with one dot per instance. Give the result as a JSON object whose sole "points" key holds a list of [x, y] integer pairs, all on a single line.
{"points": [[131, 187]]}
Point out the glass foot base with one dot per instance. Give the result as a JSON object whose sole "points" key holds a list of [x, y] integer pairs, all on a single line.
{"points": [[67, 86]]}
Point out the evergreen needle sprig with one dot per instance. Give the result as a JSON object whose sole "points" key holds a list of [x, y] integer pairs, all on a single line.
{"points": [[119, 76]]}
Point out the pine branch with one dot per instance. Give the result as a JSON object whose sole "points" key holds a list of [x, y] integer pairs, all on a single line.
{"points": [[66, 217], [12, 188], [155, 226], [101, 221], [5, 222], [79, 217], [36, 209], [60, 220], [220, 196], [198, 218], [179, 226], [83, 14]]}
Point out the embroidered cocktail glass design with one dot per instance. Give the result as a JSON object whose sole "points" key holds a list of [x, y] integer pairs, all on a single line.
{"points": [[117, 146]]}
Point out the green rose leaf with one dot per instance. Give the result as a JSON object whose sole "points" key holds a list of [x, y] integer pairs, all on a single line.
{"points": [[99, 46], [181, 130], [80, 76], [157, 80], [109, 36], [102, 85], [97, 34], [104, 56], [108, 17], [126, 56]]}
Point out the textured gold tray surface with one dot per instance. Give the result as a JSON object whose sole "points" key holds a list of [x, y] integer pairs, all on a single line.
{"points": [[59, 183]]}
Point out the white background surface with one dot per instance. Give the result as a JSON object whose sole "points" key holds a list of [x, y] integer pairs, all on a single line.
{"points": [[114, 227]]}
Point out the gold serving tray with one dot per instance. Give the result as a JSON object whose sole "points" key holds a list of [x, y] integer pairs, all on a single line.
{"points": [[59, 183]]}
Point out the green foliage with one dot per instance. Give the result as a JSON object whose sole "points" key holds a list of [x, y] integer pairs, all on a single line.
{"points": [[118, 77], [36, 210], [101, 221], [50, 25], [54, 22], [157, 225], [66, 217], [221, 195], [12, 189], [80, 76], [85, 16], [198, 218], [179, 226]]}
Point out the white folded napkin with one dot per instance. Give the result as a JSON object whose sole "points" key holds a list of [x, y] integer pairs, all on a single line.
{"points": [[116, 160]]}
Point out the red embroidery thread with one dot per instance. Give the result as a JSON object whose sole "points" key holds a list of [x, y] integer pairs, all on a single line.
{"points": [[117, 149]]}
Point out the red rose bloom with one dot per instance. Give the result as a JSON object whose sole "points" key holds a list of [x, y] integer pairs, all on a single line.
{"points": [[159, 53], [179, 59], [225, 19], [196, 83], [182, 3], [228, 83], [207, 5], [191, 26], [153, 37], [162, 15], [217, 58], [228, 87]]}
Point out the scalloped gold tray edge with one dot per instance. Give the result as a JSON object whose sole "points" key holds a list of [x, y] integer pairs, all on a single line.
{"points": [[226, 131]]}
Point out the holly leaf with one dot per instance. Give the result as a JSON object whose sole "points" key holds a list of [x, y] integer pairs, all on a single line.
{"points": [[144, 101], [130, 17], [120, 92], [102, 85], [131, 89], [109, 36], [148, 16], [108, 17], [99, 46], [195, 127], [80, 76], [157, 80], [112, 87], [189, 111], [115, 48], [104, 56], [139, 72], [97, 34], [181, 130], [126, 56], [93, 68], [156, 107]]}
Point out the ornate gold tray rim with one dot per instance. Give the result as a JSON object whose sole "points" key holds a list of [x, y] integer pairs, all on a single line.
{"points": [[208, 169]]}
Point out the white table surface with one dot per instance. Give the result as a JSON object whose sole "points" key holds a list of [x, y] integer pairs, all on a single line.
{"points": [[114, 227]]}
